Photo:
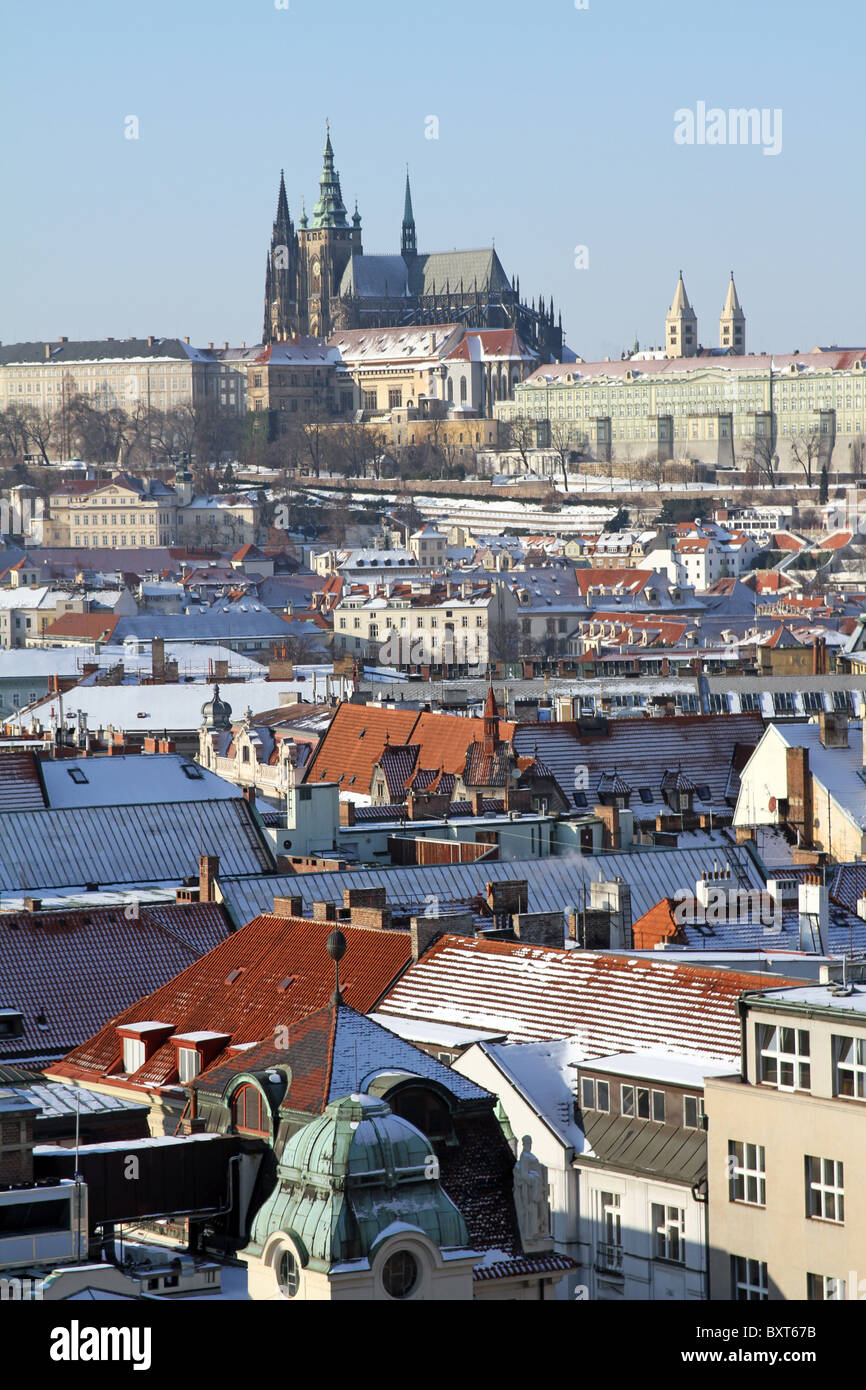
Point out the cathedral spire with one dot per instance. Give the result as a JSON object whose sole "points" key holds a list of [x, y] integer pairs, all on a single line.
{"points": [[282, 218], [330, 210], [732, 322], [408, 246]]}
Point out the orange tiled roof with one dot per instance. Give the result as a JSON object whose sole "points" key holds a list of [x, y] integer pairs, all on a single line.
{"points": [[91, 627], [236, 989], [357, 735]]}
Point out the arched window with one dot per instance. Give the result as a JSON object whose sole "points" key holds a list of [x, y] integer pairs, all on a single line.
{"points": [[463, 388], [250, 1112], [245, 754], [450, 389], [503, 388]]}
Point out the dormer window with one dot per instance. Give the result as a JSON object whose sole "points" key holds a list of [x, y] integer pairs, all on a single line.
{"points": [[188, 1063], [140, 1042]]}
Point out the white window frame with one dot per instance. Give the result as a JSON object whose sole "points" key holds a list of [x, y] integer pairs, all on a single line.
{"points": [[825, 1189], [749, 1282], [825, 1288], [188, 1063], [747, 1171], [699, 1112], [853, 1068], [134, 1055], [774, 1055], [669, 1233]]}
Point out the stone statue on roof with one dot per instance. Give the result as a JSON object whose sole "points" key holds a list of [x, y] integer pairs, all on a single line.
{"points": [[532, 1196]]}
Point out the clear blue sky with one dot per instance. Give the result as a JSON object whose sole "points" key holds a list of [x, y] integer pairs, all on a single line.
{"points": [[555, 130]]}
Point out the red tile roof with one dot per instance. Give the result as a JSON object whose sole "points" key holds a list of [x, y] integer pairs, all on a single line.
{"points": [[608, 1003], [89, 627], [249, 1006], [631, 580], [21, 786], [357, 736]]}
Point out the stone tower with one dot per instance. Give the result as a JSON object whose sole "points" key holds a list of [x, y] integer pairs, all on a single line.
{"points": [[681, 325], [281, 275], [326, 245], [732, 323]]}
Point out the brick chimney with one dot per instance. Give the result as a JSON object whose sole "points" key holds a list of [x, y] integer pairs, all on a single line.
{"points": [[609, 817], [347, 813], [208, 868], [324, 912], [833, 729], [288, 907], [799, 780]]}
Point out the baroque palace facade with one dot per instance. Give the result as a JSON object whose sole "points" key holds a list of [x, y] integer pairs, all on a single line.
{"points": [[318, 279], [719, 406]]}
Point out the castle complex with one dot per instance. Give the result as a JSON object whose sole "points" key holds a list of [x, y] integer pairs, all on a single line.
{"points": [[318, 279]]}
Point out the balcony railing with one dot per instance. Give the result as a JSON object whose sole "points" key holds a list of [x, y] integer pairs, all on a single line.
{"points": [[608, 1257]]}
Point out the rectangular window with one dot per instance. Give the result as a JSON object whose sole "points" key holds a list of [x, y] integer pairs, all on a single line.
{"points": [[587, 1093], [747, 1173], [783, 1058], [611, 1217], [668, 1230], [825, 1192], [602, 1096], [693, 1112], [748, 1279], [849, 1055], [821, 1288], [659, 1106], [643, 1103], [627, 1100]]}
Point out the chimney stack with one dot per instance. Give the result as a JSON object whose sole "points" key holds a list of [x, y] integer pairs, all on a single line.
{"points": [[208, 868]]}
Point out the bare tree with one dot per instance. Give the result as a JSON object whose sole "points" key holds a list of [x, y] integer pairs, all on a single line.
{"points": [[503, 639], [762, 458], [805, 450], [519, 435], [567, 443]]}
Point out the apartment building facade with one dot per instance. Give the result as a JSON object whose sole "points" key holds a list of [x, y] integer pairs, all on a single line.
{"points": [[787, 1207]]}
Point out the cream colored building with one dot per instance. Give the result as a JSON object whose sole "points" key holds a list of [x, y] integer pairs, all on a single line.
{"points": [[123, 513], [153, 373], [787, 1205], [411, 627], [809, 777], [713, 408]]}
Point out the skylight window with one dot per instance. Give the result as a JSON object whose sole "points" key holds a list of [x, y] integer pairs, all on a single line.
{"points": [[192, 772], [77, 775], [646, 795]]}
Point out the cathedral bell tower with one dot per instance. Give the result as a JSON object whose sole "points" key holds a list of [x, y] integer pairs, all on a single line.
{"points": [[681, 325], [732, 323], [326, 245]]}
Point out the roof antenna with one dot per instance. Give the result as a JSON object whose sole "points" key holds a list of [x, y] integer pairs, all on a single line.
{"points": [[336, 948]]}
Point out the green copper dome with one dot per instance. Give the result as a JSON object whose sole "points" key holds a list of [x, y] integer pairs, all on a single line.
{"points": [[349, 1175]]}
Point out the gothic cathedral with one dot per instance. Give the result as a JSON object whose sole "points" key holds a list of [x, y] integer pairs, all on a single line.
{"points": [[318, 280]]}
